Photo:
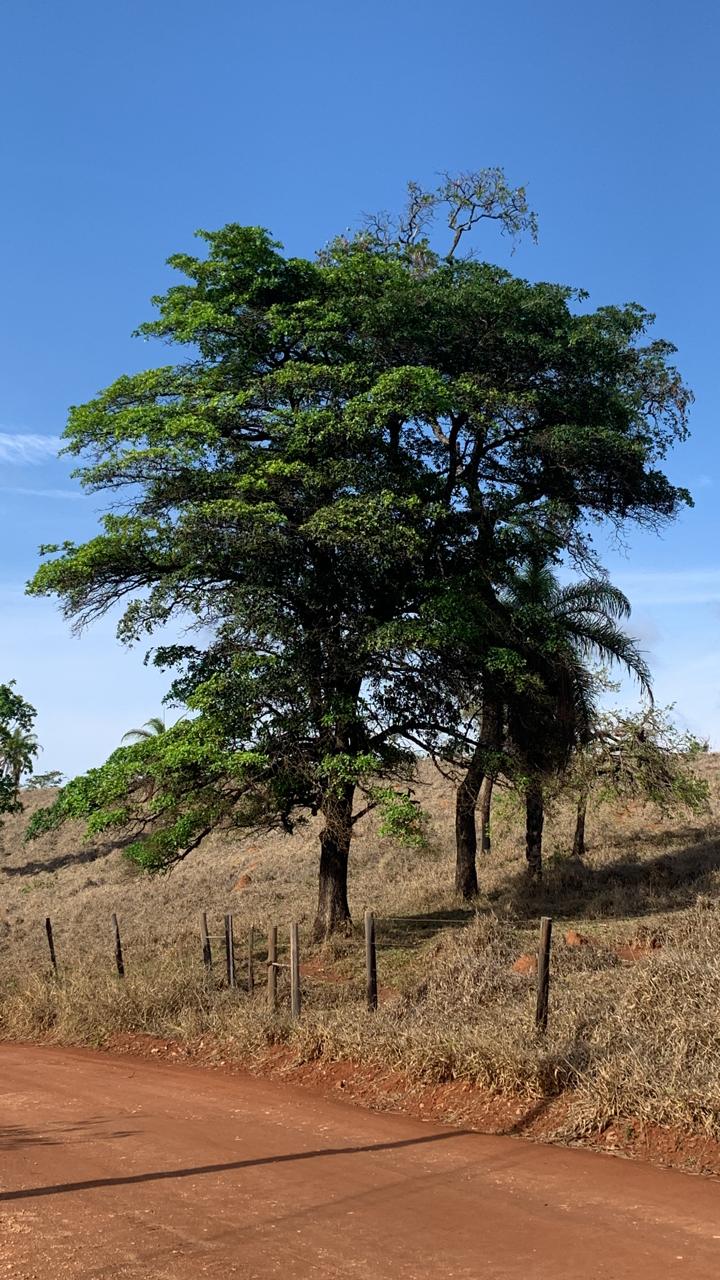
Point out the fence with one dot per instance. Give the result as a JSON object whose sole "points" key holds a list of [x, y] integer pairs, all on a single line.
{"points": [[274, 966]]}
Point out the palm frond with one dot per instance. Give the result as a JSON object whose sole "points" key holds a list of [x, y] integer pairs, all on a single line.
{"points": [[600, 637], [593, 595], [151, 729]]}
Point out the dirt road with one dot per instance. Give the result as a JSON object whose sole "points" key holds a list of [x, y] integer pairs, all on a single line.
{"points": [[124, 1168]]}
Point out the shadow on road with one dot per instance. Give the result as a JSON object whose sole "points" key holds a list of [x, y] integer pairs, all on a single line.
{"points": [[161, 1175]]}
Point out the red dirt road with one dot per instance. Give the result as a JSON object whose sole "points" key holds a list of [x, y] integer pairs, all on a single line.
{"points": [[124, 1168]]}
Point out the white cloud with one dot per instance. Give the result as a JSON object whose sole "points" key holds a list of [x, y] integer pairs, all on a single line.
{"points": [[23, 448], [43, 493]]}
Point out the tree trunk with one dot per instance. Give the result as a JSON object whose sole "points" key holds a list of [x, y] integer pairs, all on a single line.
{"points": [[579, 838], [486, 791], [333, 911], [466, 882], [534, 819]]}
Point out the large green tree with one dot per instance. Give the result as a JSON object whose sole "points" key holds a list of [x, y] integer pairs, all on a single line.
{"points": [[348, 445]]}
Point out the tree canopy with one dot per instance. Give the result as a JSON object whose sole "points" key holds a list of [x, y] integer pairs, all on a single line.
{"points": [[334, 481]]}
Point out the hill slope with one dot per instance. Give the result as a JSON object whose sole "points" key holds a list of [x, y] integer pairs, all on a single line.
{"points": [[638, 863], [635, 972]]}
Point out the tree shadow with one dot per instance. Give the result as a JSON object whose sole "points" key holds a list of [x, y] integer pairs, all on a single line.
{"points": [[406, 932], [528, 1117], [49, 865], [630, 886], [161, 1175], [688, 835]]}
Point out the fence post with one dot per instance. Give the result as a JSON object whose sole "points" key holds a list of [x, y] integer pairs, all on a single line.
{"points": [[295, 998], [543, 974], [229, 950], [272, 970], [51, 943], [120, 963], [370, 961], [205, 940], [250, 966]]}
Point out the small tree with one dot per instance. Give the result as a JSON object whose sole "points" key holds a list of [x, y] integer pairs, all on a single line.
{"points": [[636, 756], [45, 781], [18, 745]]}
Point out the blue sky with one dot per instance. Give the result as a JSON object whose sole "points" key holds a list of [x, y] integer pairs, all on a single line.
{"points": [[127, 126]]}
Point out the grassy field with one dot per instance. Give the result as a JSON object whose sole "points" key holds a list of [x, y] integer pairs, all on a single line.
{"points": [[634, 1028]]}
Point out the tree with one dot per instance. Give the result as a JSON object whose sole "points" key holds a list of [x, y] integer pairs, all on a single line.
{"points": [[351, 443], [572, 625], [18, 745], [538, 701], [45, 781], [636, 756], [475, 787]]}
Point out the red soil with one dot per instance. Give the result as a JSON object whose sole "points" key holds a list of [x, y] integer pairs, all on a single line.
{"points": [[118, 1167]]}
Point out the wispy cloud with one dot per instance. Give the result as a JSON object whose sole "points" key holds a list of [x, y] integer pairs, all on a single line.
{"points": [[44, 493], [672, 587], [23, 448]]}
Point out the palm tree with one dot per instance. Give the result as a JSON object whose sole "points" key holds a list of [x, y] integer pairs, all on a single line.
{"points": [[151, 729], [565, 627]]}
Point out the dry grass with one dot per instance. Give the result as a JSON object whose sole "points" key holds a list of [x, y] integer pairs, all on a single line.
{"points": [[639, 1040]]}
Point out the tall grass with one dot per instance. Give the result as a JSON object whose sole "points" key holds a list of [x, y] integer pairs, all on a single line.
{"points": [[638, 1040]]}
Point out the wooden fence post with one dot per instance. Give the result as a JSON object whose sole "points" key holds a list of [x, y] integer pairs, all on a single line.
{"points": [[250, 966], [120, 963], [51, 943], [272, 970], [370, 961], [229, 950], [543, 974], [205, 940], [295, 998]]}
